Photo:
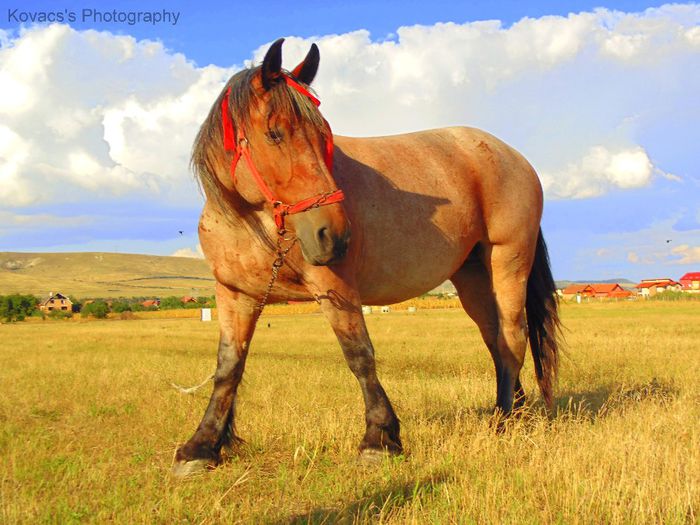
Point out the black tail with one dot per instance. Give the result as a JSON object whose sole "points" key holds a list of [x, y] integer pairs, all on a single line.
{"points": [[543, 321]]}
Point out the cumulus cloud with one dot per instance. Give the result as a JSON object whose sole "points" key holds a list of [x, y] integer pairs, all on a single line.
{"points": [[688, 254], [88, 114], [599, 171], [574, 94]]}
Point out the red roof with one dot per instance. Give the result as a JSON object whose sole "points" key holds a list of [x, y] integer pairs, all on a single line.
{"points": [[691, 276], [660, 282], [620, 293], [575, 288], [605, 287]]}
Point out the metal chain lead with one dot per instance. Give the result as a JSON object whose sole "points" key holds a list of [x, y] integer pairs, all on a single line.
{"points": [[276, 265], [282, 253]]}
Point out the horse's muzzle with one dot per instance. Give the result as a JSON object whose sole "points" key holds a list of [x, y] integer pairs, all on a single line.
{"points": [[323, 233], [332, 248]]}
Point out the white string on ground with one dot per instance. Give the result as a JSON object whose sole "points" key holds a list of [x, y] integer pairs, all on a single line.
{"points": [[192, 389]]}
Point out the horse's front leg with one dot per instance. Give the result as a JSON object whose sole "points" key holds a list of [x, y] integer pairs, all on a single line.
{"points": [[341, 304], [217, 429]]}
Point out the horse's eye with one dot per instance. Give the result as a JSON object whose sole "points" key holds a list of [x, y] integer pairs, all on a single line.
{"points": [[274, 136]]}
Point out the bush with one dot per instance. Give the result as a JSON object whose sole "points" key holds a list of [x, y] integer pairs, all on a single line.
{"points": [[121, 306], [171, 303], [97, 309], [17, 307], [60, 314]]}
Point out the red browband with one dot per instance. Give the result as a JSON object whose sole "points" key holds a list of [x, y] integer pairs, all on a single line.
{"points": [[239, 147]]}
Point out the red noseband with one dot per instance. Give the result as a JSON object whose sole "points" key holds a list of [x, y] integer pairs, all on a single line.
{"points": [[239, 147]]}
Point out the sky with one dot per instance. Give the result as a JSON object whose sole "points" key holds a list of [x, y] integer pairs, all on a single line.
{"points": [[97, 117]]}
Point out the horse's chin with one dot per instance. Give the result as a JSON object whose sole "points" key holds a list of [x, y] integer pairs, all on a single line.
{"points": [[323, 259]]}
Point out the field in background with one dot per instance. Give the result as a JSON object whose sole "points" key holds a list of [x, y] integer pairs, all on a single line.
{"points": [[103, 275], [89, 423]]}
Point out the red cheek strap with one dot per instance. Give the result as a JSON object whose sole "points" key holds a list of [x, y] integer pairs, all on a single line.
{"points": [[239, 147]]}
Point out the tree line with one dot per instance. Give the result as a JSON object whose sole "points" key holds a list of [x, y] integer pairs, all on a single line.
{"points": [[17, 307]]}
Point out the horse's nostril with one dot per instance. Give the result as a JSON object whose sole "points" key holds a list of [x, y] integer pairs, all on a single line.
{"points": [[322, 234]]}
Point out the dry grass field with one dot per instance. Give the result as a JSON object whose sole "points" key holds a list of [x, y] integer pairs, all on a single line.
{"points": [[93, 274], [89, 423]]}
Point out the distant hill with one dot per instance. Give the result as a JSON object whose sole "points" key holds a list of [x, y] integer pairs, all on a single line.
{"points": [[94, 274], [625, 283], [446, 287]]}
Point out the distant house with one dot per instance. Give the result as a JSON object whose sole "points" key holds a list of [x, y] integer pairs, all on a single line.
{"points": [[56, 301], [610, 291], [690, 282], [584, 290], [597, 290], [150, 303], [188, 299], [650, 287]]}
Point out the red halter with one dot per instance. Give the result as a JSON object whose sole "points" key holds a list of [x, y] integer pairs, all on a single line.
{"points": [[240, 147]]}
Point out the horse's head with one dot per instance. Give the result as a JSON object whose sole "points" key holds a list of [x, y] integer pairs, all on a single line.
{"points": [[281, 150]]}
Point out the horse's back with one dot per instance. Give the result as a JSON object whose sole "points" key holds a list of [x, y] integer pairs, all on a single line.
{"points": [[420, 202]]}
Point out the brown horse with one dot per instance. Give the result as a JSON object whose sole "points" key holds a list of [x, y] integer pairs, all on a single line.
{"points": [[453, 203]]}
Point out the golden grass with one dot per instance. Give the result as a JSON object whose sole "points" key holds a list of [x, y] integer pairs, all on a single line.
{"points": [[89, 424], [104, 275]]}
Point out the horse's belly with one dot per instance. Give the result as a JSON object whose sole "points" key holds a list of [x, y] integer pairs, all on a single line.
{"points": [[396, 267]]}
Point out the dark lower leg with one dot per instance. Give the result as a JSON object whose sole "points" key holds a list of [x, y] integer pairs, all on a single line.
{"points": [[217, 428], [511, 352], [504, 396], [382, 425], [335, 290], [519, 400]]}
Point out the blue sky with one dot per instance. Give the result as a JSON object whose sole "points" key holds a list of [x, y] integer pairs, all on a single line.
{"points": [[601, 98]]}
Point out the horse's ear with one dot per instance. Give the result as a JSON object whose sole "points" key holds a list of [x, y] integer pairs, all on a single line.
{"points": [[307, 68], [272, 63]]}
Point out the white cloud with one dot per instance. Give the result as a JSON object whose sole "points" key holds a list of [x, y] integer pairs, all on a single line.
{"points": [[90, 114], [17, 221], [668, 176], [572, 93], [633, 257], [195, 253], [599, 171], [688, 254]]}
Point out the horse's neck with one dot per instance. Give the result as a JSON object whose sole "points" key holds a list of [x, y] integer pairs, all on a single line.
{"points": [[243, 219]]}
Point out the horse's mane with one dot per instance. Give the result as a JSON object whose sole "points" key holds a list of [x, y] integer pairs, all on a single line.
{"points": [[209, 143]]}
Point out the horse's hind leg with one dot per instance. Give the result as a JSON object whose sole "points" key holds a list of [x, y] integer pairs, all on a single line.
{"points": [[510, 266], [476, 293], [217, 429]]}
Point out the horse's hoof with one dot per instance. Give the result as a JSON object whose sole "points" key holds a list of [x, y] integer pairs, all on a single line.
{"points": [[185, 469]]}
